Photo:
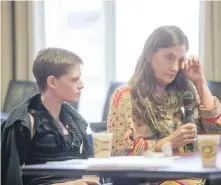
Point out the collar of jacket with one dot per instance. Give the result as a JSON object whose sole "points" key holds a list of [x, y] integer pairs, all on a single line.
{"points": [[20, 113]]}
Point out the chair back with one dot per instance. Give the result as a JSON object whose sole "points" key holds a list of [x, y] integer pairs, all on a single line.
{"points": [[113, 86], [215, 88], [18, 91]]}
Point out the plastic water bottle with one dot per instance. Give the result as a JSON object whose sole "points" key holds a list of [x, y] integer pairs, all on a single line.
{"points": [[89, 135]]}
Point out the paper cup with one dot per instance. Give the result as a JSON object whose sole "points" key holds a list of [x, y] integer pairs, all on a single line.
{"points": [[208, 146], [102, 144]]}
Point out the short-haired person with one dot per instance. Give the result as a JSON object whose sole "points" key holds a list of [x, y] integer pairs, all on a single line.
{"points": [[45, 128]]}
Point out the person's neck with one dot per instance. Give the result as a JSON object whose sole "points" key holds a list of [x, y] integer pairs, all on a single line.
{"points": [[159, 89], [52, 104]]}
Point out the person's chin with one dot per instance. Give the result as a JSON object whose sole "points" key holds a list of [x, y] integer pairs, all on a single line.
{"points": [[76, 98], [167, 81], [73, 99], [170, 78]]}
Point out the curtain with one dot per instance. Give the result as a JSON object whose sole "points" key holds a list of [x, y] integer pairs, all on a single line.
{"points": [[211, 39], [22, 35]]}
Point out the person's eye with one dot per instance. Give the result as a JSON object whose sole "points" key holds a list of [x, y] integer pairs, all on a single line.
{"points": [[75, 79], [169, 57]]}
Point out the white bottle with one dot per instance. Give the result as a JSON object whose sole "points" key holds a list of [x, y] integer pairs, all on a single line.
{"points": [[89, 135]]}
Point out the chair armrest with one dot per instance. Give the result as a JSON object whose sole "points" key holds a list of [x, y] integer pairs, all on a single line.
{"points": [[99, 126]]}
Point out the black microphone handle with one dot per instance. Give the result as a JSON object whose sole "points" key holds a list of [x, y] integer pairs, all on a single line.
{"points": [[188, 112], [188, 109], [189, 119]]}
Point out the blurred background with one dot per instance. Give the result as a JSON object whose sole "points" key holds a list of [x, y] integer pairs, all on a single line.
{"points": [[107, 35]]}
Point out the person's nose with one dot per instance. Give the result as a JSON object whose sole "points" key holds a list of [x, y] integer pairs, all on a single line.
{"points": [[175, 65], [81, 85]]}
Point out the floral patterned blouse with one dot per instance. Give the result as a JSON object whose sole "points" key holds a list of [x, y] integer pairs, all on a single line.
{"points": [[121, 122]]}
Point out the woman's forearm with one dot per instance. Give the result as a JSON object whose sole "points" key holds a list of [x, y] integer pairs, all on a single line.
{"points": [[160, 143], [206, 97]]}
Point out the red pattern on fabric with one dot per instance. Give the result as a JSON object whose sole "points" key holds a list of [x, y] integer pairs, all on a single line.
{"points": [[134, 144], [180, 183], [212, 120], [118, 95]]}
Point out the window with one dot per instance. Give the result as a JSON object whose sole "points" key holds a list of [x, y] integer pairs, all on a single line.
{"points": [[109, 36], [136, 19], [79, 26]]}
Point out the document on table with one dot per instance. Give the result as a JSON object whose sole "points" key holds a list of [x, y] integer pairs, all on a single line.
{"points": [[129, 163], [120, 163]]}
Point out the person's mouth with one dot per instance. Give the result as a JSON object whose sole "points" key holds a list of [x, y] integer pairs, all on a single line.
{"points": [[171, 75]]}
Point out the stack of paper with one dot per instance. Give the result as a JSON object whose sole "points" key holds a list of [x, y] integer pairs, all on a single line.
{"points": [[119, 163], [128, 163]]}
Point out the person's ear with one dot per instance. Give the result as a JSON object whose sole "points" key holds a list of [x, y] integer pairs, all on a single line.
{"points": [[51, 82]]}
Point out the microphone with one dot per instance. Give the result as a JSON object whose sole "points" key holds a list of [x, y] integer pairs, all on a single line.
{"points": [[188, 111], [188, 106]]}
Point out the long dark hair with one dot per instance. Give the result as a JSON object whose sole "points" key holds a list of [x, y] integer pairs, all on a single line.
{"points": [[143, 81]]}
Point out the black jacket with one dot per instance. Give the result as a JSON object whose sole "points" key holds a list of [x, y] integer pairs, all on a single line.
{"points": [[17, 128]]}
